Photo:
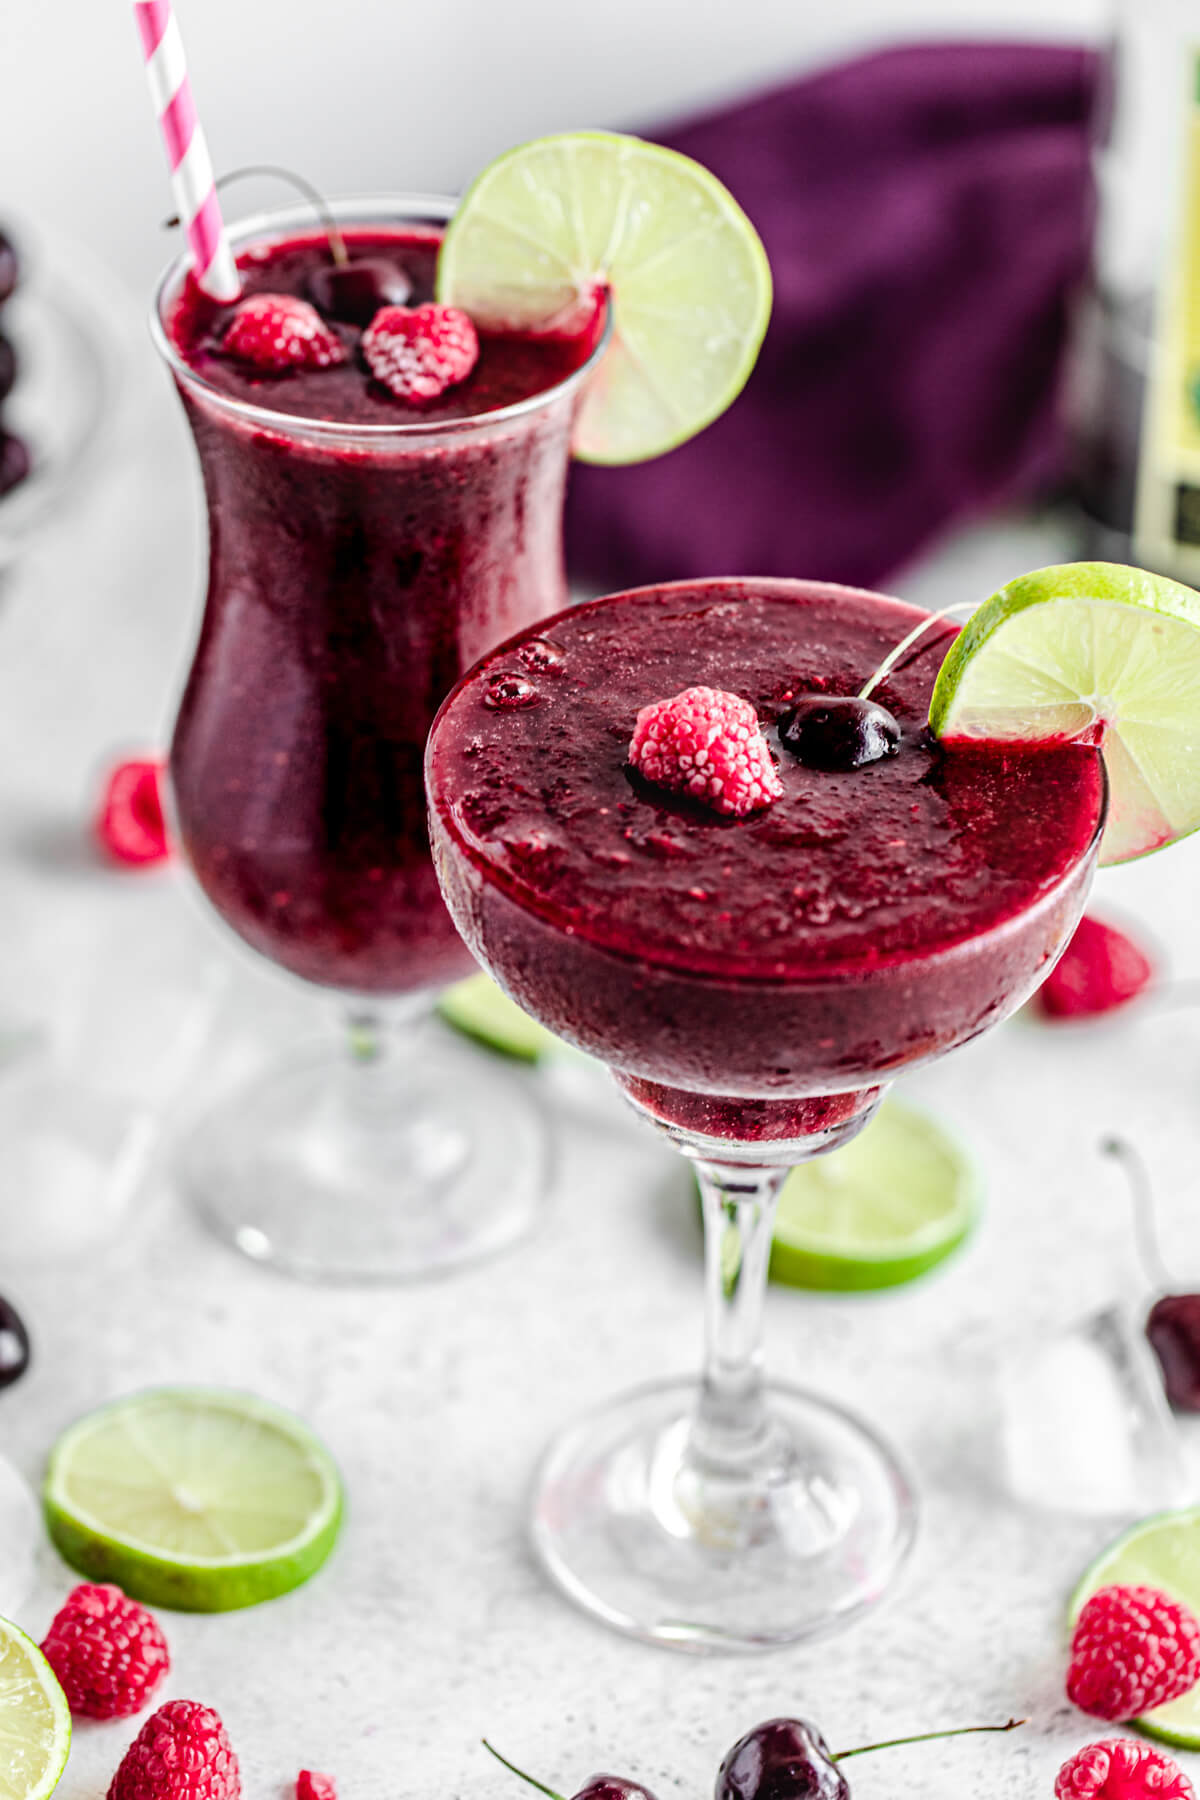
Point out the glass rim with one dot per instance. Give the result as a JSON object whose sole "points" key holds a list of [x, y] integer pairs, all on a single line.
{"points": [[801, 976], [379, 208]]}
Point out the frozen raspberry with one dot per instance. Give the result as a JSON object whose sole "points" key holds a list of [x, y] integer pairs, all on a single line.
{"points": [[1099, 969], [707, 744], [107, 1651], [1133, 1649], [276, 333], [130, 824], [181, 1753], [1121, 1769], [311, 1786], [419, 351]]}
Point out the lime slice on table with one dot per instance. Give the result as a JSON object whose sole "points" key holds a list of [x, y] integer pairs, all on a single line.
{"points": [[478, 1009], [549, 225], [1164, 1553], [1092, 651], [888, 1206], [194, 1498], [35, 1720]]}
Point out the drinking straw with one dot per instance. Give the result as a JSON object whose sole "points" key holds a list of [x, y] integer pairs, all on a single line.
{"points": [[187, 151]]}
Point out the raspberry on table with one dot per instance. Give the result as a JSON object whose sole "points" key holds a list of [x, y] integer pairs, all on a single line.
{"points": [[131, 823], [108, 1652], [706, 744], [417, 352], [311, 1786], [1134, 1648], [181, 1753], [276, 333], [1122, 1769], [1101, 968]]}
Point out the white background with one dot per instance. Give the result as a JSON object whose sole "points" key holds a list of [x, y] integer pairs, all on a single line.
{"points": [[364, 94]]}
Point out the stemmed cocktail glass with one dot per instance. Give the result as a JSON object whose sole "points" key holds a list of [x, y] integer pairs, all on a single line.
{"points": [[361, 554], [754, 983]]}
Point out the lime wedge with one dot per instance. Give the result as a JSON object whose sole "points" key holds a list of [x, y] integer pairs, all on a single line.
{"points": [[547, 227], [1095, 652], [194, 1498], [478, 1009], [891, 1204], [1164, 1553], [35, 1721]]}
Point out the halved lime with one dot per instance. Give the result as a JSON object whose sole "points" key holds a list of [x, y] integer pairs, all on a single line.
{"points": [[199, 1499], [550, 225], [1096, 652], [889, 1205], [481, 1011], [35, 1720], [1164, 1553]]}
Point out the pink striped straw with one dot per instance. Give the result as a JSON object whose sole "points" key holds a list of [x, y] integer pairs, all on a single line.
{"points": [[187, 151]]}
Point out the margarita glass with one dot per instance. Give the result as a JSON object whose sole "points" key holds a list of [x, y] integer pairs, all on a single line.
{"points": [[754, 984], [362, 552]]}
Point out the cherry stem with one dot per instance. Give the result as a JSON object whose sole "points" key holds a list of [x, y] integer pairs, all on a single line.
{"points": [[1144, 1222], [926, 1737], [337, 243], [539, 1785], [893, 656]]}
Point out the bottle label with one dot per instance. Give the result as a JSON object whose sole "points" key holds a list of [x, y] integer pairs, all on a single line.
{"points": [[1166, 529]]}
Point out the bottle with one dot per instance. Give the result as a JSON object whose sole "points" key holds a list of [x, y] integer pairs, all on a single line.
{"points": [[1138, 405]]}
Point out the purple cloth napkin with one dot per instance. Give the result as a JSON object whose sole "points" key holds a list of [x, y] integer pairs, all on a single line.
{"points": [[927, 212]]}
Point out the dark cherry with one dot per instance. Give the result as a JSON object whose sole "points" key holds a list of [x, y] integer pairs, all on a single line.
{"points": [[9, 267], [14, 461], [783, 1759], [838, 733], [612, 1787], [14, 1345], [353, 292], [1173, 1329], [8, 367]]}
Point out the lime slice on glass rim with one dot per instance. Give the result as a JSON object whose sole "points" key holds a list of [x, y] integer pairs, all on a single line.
{"points": [[1090, 652], [200, 1499], [35, 1720], [549, 226], [887, 1207], [1164, 1553]]}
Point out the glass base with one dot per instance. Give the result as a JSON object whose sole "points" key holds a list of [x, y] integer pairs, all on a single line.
{"points": [[638, 1530], [389, 1168]]}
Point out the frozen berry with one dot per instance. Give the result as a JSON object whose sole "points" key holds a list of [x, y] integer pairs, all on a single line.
{"points": [[15, 461], [1122, 1769], [14, 1345], [311, 1786], [1100, 969], [418, 352], [782, 1759], [181, 1753], [706, 744], [1173, 1328], [835, 734], [108, 1653], [9, 267], [353, 292], [1134, 1648], [276, 333], [8, 367], [131, 825]]}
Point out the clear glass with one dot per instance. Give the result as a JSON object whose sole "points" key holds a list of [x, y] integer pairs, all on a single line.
{"points": [[727, 1512], [354, 572]]}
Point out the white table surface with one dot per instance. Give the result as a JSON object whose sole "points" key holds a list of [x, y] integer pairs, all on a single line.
{"points": [[430, 1626]]}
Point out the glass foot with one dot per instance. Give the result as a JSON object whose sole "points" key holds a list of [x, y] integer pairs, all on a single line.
{"points": [[640, 1529], [381, 1168]]}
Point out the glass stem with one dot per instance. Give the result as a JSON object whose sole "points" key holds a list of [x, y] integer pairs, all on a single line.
{"points": [[731, 1427]]}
